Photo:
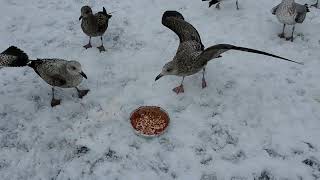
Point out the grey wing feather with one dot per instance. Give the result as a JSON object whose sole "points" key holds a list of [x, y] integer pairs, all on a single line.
{"points": [[58, 80], [215, 51], [175, 21], [274, 10], [48, 69], [301, 12], [102, 22]]}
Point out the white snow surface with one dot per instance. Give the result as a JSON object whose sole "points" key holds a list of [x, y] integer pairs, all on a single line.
{"points": [[259, 117]]}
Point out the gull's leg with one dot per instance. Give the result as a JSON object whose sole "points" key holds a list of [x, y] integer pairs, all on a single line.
{"points": [[291, 38], [179, 89], [204, 83], [316, 4], [89, 44], [218, 5], [101, 48], [282, 34], [237, 5], [54, 102], [82, 93]]}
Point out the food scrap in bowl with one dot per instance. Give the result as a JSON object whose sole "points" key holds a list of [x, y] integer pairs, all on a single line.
{"points": [[149, 121]]}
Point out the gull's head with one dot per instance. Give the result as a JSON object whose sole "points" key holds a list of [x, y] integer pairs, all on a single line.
{"points": [[85, 12], [168, 69], [74, 68]]}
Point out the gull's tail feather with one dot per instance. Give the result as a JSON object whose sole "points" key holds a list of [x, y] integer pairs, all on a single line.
{"points": [[13, 57]]}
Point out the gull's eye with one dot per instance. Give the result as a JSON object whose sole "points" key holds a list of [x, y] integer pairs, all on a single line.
{"points": [[73, 68], [169, 69]]}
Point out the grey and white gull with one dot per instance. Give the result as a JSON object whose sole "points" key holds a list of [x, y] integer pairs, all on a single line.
{"points": [[94, 25], [289, 12], [217, 2], [56, 72], [191, 56]]}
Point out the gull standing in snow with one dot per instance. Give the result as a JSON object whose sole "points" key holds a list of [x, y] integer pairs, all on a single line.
{"points": [[213, 2], [56, 72], [191, 57], [94, 25], [290, 13]]}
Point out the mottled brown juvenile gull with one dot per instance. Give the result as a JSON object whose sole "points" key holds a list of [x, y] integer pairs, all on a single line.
{"points": [[217, 2], [290, 13], [56, 72], [94, 25], [191, 57]]}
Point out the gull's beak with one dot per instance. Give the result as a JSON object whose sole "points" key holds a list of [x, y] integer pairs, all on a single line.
{"points": [[84, 75], [80, 18], [158, 77]]}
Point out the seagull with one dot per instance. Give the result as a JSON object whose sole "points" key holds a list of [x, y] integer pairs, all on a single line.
{"points": [[56, 72], [191, 56], [94, 25], [290, 13], [213, 2]]}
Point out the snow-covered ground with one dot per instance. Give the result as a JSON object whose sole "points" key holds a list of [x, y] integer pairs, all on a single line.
{"points": [[259, 118]]}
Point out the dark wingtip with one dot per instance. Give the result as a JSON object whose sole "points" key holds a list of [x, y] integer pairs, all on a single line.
{"points": [[175, 14], [228, 46], [14, 51], [22, 57]]}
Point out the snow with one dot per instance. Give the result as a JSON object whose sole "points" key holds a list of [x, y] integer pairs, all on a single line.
{"points": [[258, 118]]}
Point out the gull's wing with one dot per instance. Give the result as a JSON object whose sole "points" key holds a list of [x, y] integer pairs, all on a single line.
{"points": [[48, 70], [186, 32], [301, 12], [216, 50]]}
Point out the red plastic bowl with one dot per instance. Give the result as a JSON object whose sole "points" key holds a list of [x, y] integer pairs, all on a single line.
{"points": [[149, 121]]}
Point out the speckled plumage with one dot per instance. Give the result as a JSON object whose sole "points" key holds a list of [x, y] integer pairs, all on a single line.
{"points": [[13, 57], [94, 25], [191, 57], [59, 73], [55, 72], [289, 12]]}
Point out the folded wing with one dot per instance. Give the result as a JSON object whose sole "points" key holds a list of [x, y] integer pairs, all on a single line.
{"points": [[301, 12]]}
